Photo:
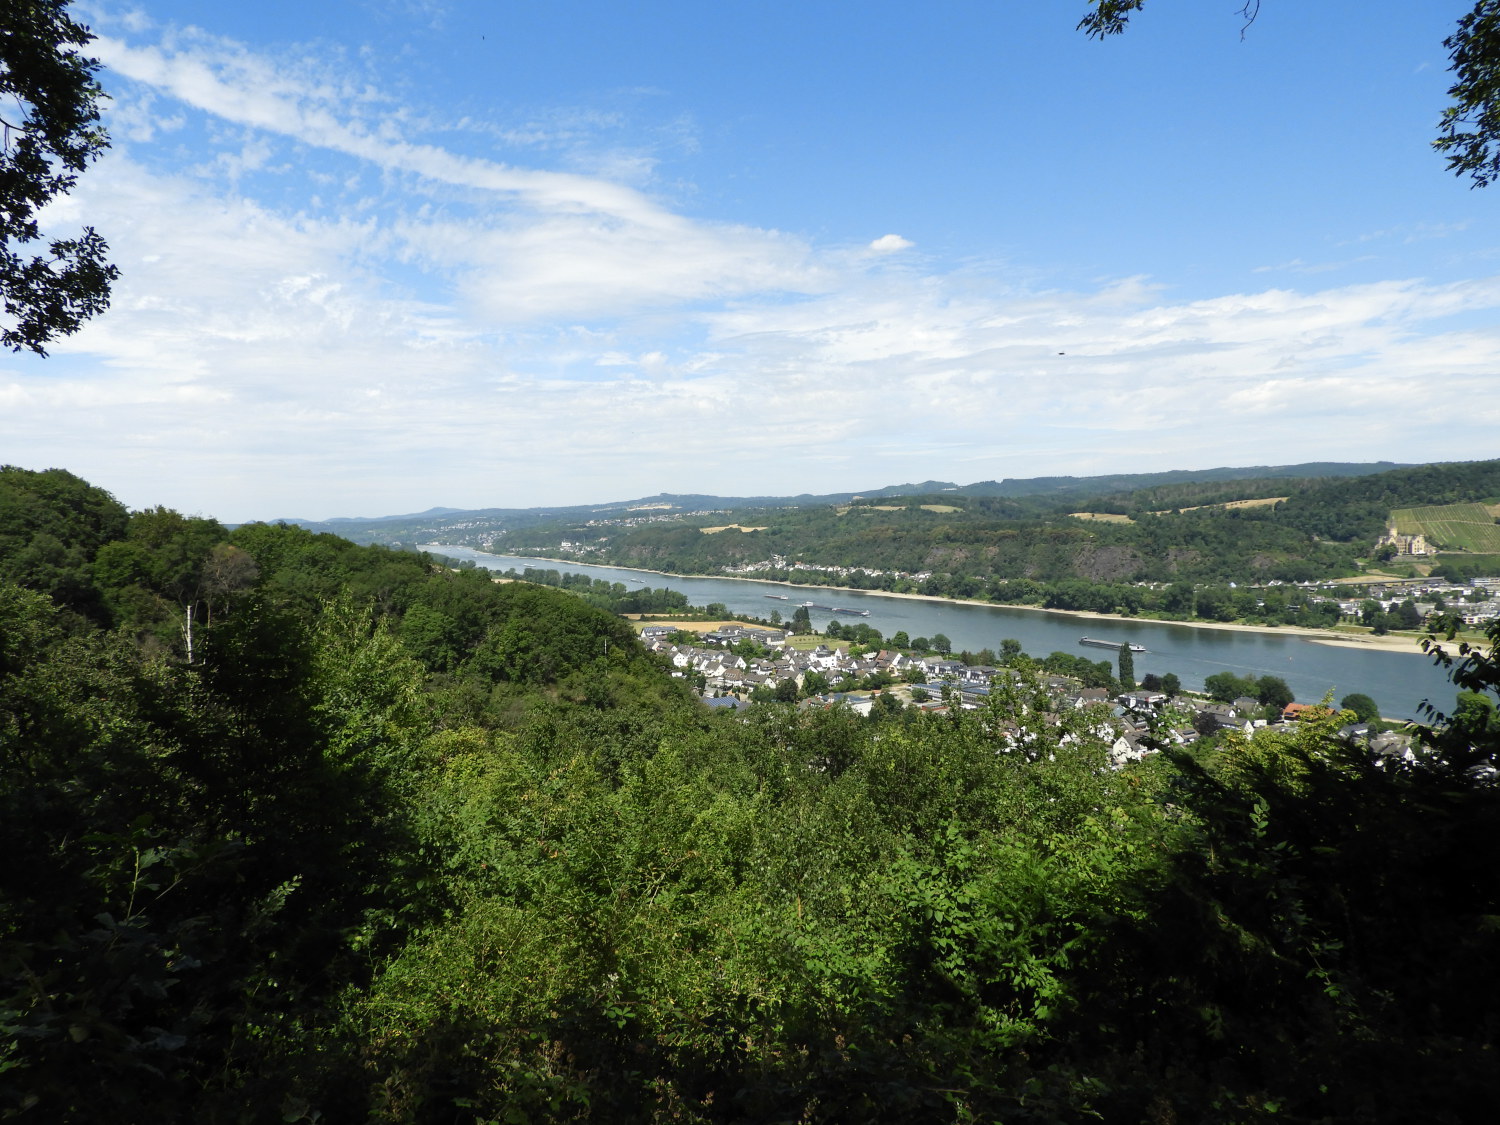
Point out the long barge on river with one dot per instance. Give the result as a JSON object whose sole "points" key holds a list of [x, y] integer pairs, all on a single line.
{"points": [[829, 608], [1094, 642]]}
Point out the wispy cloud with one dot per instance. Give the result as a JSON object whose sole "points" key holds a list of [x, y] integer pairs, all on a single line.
{"points": [[230, 83]]}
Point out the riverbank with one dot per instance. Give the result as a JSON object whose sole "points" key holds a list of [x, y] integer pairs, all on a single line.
{"points": [[1408, 644], [1317, 636]]}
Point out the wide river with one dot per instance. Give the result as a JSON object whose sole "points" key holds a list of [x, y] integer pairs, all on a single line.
{"points": [[1399, 682]]}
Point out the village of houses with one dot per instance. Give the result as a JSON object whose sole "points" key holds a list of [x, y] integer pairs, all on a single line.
{"points": [[726, 678]]}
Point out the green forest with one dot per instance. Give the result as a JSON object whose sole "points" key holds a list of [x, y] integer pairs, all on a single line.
{"points": [[302, 831]]}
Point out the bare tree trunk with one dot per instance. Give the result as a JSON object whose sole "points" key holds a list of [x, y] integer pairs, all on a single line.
{"points": [[187, 630]]}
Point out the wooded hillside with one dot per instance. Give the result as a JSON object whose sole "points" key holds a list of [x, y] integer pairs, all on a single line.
{"points": [[1200, 532]]}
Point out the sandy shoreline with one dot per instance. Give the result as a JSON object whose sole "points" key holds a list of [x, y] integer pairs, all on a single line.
{"points": [[1408, 644]]}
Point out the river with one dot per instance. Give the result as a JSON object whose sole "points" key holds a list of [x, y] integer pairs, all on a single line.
{"points": [[1399, 682]]}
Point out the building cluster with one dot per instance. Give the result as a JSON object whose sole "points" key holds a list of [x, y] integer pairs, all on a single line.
{"points": [[1130, 722], [782, 563], [656, 517], [1474, 603], [726, 672]]}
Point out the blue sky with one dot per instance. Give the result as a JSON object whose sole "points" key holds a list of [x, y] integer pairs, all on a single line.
{"points": [[379, 255]]}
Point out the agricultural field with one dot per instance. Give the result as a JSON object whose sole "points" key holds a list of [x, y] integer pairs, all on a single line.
{"points": [[1230, 505], [940, 508], [1453, 527]]}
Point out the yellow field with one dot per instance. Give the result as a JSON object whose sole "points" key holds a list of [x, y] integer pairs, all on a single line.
{"points": [[1107, 517], [728, 527], [1263, 502], [686, 626], [898, 508]]}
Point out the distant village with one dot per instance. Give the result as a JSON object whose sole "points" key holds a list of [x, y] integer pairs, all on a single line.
{"points": [[725, 677]]}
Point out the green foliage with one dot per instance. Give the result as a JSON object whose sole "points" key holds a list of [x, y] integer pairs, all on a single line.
{"points": [[1463, 569], [1473, 714], [51, 525], [1227, 687], [192, 848], [1302, 928], [1092, 673], [405, 844], [1406, 615], [1470, 136], [1273, 693], [160, 571], [612, 596], [1365, 709]]}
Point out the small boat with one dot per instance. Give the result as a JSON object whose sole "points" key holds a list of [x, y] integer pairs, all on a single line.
{"points": [[1117, 645], [807, 605]]}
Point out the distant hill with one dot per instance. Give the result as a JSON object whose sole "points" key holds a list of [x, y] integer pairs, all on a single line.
{"points": [[1130, 482], [482, 527], [334, 521], [968, 542]]}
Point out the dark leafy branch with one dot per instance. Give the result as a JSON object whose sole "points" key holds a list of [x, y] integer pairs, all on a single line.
{"points": [[1469, 131], [49, 294]]}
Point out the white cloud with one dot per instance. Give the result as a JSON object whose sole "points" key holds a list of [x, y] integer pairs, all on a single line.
{"points": [[889, 244]]}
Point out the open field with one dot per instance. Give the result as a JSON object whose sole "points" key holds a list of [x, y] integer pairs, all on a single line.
{"points": [[728, 527], [1263, 502], [1453, 527], [640, 622], [1111, 517], [898, 508], [806, 642]]}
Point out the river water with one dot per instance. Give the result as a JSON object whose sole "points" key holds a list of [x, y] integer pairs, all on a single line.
{"points": [[1399, 682]]}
